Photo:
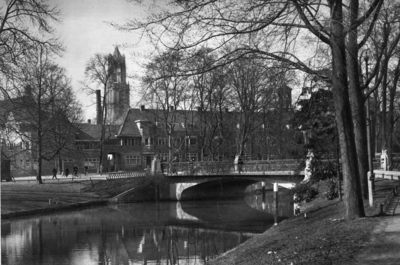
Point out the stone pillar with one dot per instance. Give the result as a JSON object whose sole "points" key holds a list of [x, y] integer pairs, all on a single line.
{"points": [[370, 189], [384, 160], [276, 203], [155, 166]]}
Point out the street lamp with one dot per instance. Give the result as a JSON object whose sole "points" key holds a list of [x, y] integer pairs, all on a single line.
{"points": [[370, 161], [1, 142]]}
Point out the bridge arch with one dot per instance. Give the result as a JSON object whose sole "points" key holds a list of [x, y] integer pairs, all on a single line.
{"points": [[215, 186]]}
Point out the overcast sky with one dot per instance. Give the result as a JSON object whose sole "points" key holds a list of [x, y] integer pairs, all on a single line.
{"points": [[84, 32]]}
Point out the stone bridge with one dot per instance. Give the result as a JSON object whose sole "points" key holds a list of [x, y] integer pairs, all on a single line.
{"points": [[231, 184], [191, 180]]}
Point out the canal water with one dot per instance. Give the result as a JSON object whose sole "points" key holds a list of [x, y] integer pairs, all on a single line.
{"points": [[189, 232]]}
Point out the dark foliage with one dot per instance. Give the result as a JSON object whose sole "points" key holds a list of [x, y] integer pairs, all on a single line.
{"points": [[332, 190], [305, 192]]}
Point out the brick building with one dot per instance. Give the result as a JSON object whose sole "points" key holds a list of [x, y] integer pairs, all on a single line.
{"points": [[133, 136]]}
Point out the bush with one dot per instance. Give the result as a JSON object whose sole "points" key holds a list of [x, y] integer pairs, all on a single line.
{"points": [[311, 194], [321, 170], [332, 190], [304, 192]]}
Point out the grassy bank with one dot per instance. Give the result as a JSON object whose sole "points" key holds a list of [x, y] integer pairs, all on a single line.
{"points": [[25, 198], [323, 237]]}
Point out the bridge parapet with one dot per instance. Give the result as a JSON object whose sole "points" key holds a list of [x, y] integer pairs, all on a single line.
{"points": [[228, 167], [119, 175]]}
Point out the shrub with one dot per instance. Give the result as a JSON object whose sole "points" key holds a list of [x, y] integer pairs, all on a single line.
{"points": [[304, 192], [321, 170], [311, 194], [332, 190]]}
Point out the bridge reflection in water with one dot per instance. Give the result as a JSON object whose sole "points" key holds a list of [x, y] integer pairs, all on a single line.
{"points": [[141, 233]]}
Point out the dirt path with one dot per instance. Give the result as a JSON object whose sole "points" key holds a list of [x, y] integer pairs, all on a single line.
{"points": [[384, 247]]}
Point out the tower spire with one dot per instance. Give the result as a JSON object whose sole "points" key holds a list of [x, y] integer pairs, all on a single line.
{"points": [[117, 54]]}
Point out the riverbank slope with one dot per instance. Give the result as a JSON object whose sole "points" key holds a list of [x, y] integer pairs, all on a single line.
{"points": [[322, 237], [23, 197]]}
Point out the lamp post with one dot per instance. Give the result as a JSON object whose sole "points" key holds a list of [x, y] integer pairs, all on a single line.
{"points": [[370, 161], [1, 142]]}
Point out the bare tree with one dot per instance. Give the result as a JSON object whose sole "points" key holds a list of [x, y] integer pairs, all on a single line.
{"points": [[99, 71], [165, 93], [272, 30], [45, 108], [24, 25], [211, 91], [254, 87], [381, 55]]}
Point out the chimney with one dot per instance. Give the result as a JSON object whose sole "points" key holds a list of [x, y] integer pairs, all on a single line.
{"points": [[89, 121], [171, 108], [142, 107], [99, 114], [199, 109]]}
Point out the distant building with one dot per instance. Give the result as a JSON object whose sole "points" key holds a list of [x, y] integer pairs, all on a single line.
{"points": [[133, 136], [118, 95]]}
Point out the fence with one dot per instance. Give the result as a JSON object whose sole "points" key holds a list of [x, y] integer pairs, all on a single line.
{"points": [[228, 167], [120, 175]]}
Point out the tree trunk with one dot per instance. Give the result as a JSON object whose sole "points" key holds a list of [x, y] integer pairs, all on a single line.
{"points": [[103, 130], [384, 91], [353, 200], [357, 102], [39, 156]]}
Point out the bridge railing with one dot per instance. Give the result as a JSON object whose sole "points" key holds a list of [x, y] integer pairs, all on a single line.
{"points": [[270, 165], [228, 167], [120, 175], [197, 168]]}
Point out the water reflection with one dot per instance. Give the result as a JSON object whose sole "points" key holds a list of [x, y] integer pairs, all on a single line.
{"points": [[165, 233], [265, 203]]}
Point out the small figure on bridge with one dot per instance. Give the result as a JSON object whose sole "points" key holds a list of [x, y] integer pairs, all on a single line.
{"points": [[54, 173], [66, 171], [238, 163], [76, 171], [175, 160], [86, 169]]}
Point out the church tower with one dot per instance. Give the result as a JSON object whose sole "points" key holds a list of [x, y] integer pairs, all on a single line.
{"points": [[118, 94]]}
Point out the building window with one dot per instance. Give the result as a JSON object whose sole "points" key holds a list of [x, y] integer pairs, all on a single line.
{"points": [[132, 160], [191, 140], [164, 157], [131, 141], [149, 141], [177, 141], [191, 157], [92, 162], [162, 141], [118, 75], [86, 145]]}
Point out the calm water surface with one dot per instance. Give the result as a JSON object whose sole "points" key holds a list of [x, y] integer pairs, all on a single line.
{"points": [[139, 233]]}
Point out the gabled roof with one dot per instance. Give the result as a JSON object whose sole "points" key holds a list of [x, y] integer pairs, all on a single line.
{"points": [[134, 116], [92, 132], [129, 127], [16, 107]]}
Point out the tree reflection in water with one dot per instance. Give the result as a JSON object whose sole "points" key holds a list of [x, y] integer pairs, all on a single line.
{"points": [[139, 233]]}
